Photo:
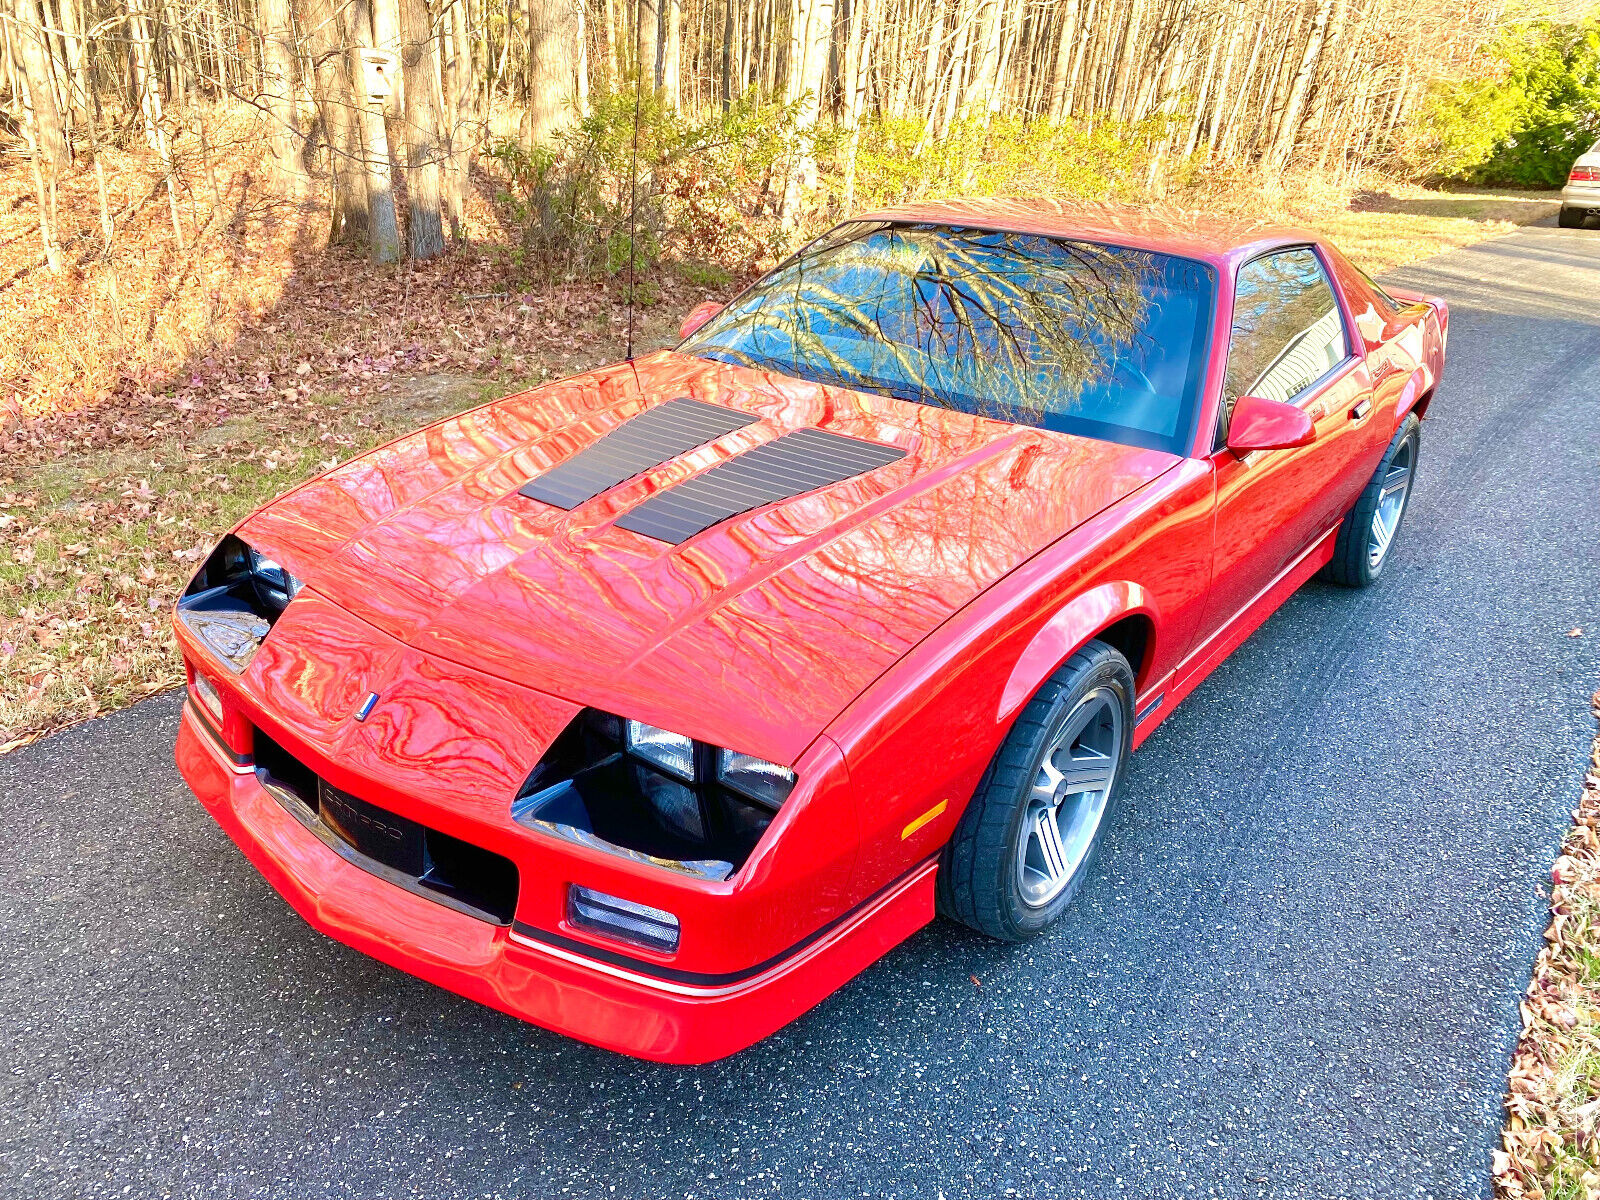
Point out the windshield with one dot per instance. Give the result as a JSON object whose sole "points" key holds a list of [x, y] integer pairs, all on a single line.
{"points": [[1070, 336]]}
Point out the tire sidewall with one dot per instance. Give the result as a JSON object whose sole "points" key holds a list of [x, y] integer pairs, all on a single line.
{"points": [[1026, 921]]}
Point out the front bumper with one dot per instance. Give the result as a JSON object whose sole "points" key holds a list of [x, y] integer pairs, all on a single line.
{"points": [[554, 986]]}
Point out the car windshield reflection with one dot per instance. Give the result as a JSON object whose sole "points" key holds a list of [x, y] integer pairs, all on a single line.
{"points": [[1071, 336]]}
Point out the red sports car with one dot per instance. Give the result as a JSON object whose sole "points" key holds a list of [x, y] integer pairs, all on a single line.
{"points": [[653, 705]]}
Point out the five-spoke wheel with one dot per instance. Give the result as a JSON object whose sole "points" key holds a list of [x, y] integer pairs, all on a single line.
{"points": [[1068, 800], [1367, 535], [1028, 839]]}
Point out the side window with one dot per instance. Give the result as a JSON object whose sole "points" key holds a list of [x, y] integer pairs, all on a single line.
{"points": [[1287, 330]]}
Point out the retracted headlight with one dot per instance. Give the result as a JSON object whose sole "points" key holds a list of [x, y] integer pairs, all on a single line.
{"points": [[234, 599], [646, 792], [274, 586], [760, 780], [671, 752]]}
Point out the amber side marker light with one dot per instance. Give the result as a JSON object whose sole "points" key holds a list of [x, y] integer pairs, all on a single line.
{"points": [[624, 920], [933, 814]]}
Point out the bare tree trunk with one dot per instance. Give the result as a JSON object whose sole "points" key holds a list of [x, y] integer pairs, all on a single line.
{"points": [[333, 75], [858, 50], [49, 132], [72, 26], [671, 53], [554, 44], [980, 95], [458, 113], [372, 75], [1060, 76], [1283, 143], [277, 53], [424, 215], [38, 99], [580, 34], [809, 42], [647, 43], [140, 53]]}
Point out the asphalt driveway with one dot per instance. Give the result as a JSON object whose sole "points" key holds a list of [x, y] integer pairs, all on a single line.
{"points": [[1296, 974]]}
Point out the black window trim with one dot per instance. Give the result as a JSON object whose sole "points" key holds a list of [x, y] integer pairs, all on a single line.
{"points": [[1340, 301]]}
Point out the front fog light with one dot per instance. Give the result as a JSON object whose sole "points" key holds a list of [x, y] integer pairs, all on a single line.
{"points": [[653, 928], [206, 693], [762, 781], [671, 752]]}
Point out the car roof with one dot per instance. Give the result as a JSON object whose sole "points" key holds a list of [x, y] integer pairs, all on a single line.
{"points": [[1167, 230]]}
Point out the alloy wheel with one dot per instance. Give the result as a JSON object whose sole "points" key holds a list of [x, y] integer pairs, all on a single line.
{"points": [[1068, 798], [1391, 503]]}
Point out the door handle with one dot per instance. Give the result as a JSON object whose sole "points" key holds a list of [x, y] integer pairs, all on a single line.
{"points": [[1361, 409]]}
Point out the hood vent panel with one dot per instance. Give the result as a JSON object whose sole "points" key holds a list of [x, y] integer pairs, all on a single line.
{"points": [[788, 466], [640, 443]]}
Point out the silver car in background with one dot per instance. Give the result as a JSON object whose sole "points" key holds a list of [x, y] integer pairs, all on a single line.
{"points": [[1581, 197]]}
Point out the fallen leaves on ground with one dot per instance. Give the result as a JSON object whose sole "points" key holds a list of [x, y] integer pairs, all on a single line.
{"points": [[1551, 1144]]}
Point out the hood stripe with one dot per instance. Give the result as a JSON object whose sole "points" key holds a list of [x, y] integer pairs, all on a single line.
{"points": [[788, 466], [655, 436]]}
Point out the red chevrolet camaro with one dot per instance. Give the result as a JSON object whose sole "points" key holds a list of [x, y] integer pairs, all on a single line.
{"points": [[653, 705]]}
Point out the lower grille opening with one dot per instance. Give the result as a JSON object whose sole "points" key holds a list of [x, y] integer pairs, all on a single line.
{"points": [[404, 852]]}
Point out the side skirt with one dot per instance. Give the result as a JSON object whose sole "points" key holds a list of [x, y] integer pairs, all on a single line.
{"points": [[1209, 654]]}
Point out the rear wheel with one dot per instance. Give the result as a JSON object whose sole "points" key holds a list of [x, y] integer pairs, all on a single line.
{"points": [[1368, 532], [1572, 218], [1028, 839]]}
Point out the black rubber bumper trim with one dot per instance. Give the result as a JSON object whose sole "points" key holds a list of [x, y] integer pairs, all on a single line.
{"points": [[319, 829], [215, 735], [706, 978]]}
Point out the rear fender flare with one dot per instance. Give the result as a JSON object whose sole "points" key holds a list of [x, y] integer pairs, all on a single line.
{"points": [[1078, 621]]}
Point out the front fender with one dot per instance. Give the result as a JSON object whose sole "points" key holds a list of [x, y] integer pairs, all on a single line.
{"points": [[1063, 634]]}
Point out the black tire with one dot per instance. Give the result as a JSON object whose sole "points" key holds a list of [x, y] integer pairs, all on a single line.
{"points": [[1572, 218], [1353, 562], [981, 880]]}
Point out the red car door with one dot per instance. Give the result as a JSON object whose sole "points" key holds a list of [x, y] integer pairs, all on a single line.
{"points": [[1290, 342]]}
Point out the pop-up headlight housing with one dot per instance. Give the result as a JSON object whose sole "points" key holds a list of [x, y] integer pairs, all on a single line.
{"points": [[648, 793], [234, 600]]}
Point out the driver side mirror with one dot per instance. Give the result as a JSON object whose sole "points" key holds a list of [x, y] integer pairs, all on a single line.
{"points": [[1259, 424], [698, 316]]}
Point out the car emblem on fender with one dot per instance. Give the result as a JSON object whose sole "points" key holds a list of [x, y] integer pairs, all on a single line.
{"points": [[366, 706]]}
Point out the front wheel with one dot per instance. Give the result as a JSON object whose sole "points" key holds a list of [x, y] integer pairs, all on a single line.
{"points": [[1028, 838], [1368, 532]]}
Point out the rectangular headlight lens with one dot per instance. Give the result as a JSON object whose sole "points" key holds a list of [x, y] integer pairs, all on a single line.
{"points": [[653, 928], [762, 781], [671, 752]]}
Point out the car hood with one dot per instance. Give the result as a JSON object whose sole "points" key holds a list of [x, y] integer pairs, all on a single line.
{"points": [[753, 634]]}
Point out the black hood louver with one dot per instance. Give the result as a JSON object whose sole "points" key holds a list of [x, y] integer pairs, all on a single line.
{"points": [[655, 436], [788, 466]]}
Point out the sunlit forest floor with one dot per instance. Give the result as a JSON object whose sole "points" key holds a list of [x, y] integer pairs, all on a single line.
{"points": [[151, 397]]}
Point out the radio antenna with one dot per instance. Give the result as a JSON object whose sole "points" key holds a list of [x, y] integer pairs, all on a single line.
{"points": [[633, 194]]}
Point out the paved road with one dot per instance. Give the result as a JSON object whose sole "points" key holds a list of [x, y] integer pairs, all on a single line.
{"points": [[1297, 973]]}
